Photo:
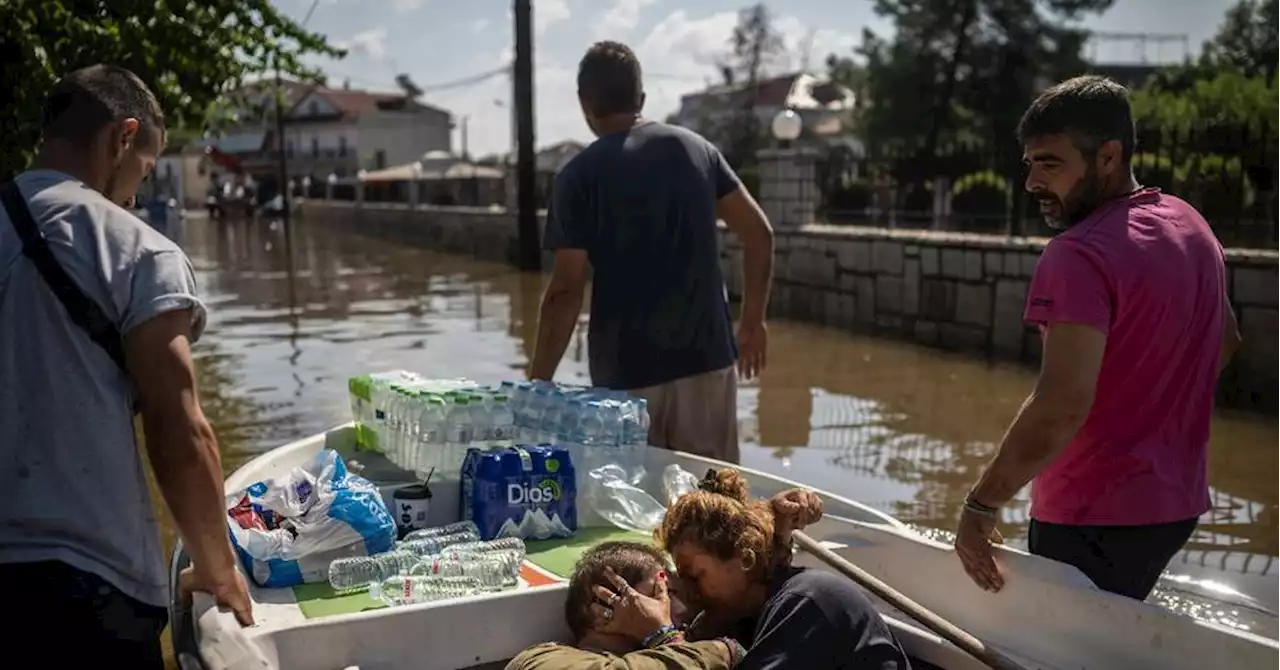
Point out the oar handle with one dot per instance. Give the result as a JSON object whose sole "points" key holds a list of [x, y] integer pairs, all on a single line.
{"points": [[949, 631]]}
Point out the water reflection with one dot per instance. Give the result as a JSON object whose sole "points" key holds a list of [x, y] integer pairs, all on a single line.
{"points": [[903, 428]]}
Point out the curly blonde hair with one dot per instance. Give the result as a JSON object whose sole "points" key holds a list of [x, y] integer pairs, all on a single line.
{"points": [[721, 519]]}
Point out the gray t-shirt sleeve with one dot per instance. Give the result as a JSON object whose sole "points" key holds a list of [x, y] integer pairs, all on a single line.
{"points": [[162, 281], [570, 222]]}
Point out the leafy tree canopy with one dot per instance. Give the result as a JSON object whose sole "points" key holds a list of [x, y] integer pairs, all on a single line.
{"points": [[190, 53]]}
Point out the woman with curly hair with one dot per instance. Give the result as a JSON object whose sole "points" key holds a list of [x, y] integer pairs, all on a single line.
{"points": [[727, 558]]}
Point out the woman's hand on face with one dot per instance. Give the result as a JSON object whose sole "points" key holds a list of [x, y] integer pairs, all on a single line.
{"points": [[621, 610]]}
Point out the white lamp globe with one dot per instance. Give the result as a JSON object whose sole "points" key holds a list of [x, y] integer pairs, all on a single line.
{"points": [[787, 125], [362, 174]]}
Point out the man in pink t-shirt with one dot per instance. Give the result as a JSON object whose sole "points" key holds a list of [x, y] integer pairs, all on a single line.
{"points": [[1131, 303]]}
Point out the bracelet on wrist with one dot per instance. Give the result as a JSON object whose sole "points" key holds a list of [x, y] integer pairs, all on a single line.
{"points": [[664, 635], [976, 507], [736, 650]]}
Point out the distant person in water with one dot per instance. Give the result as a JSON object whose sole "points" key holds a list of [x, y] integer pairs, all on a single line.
{"points": [[636, 211], [1131, 302], [97, 315]]}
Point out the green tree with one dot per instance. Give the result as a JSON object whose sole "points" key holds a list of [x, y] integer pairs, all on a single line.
{"points": [[754, 45], [965, 69], [190, 53], [1246, 40]]}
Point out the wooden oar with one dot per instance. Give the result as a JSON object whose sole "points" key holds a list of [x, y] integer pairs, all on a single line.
{"points": [[949, 631]]}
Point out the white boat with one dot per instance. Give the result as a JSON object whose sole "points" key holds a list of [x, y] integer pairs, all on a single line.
{"points": [[1049, 616]]}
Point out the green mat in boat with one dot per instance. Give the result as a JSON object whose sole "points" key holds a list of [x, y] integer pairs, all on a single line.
{"points": [[555, 556]]}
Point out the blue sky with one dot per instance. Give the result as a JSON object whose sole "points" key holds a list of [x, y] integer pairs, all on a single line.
{"points": [[678, 42]]}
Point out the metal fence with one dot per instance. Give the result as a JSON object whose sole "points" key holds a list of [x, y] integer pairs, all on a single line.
{"points": [[1228, 174]]}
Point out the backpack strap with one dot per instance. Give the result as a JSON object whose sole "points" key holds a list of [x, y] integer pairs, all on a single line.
{"points": [[81, 309]]}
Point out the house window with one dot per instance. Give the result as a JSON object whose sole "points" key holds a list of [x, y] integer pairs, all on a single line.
{"points": [[342, 145], [315, 147], [380, 159], [288, 148], [313, 108]]}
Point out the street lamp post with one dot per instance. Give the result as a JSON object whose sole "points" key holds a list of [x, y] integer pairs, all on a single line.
{"points": [[360, 177], [787, 126], [328, 186], [415, 182]]}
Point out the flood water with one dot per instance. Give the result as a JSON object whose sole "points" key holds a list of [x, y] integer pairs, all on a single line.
{"points": [[902, 428]]}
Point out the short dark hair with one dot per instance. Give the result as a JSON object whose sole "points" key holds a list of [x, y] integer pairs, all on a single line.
{"points": [[87, 99], [1090, 109], [632, 561], [609, 79]]}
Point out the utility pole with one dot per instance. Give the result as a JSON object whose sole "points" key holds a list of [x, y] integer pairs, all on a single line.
{"points": [[283, 176], [530, 249]]}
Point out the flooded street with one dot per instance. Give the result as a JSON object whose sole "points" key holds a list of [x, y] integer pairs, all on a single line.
{"points": [[899, 427]]}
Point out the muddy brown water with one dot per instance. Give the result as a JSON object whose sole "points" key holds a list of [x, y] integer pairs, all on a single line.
{"points": [[900, 427]]}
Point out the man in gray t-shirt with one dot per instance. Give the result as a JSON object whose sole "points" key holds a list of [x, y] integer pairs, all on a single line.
{"points": [[79, 547]]}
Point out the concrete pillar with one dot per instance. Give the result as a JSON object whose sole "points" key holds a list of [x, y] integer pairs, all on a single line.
{"points": [[788, 185]]}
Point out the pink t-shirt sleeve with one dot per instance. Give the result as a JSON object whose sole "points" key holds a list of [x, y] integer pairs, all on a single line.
{"points": [[1068, 287]]}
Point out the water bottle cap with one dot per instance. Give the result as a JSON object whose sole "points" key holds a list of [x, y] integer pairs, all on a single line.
{"points": [[460, 400], [436, 400], [500, 397]]}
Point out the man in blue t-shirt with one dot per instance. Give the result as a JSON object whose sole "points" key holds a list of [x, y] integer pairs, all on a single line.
{"points": [[639, 208]]}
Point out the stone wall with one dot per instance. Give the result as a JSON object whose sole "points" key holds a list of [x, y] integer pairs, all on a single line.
{"points": [[954, 291]]}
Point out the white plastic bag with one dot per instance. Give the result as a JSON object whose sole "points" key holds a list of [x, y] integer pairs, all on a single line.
{"points": [[315, 514], [625, 505]]}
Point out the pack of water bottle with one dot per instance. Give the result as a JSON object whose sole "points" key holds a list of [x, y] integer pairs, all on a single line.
{"points": [[425, 424], [578, 416], [433, 564], [422, 424]]}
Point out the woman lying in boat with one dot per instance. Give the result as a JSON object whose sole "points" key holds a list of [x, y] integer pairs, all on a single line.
{"points": [[596, 648], [729, 563], [735, 557]]}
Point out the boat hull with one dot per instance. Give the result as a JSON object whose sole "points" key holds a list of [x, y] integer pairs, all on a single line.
{"points": [[1049, 615]]}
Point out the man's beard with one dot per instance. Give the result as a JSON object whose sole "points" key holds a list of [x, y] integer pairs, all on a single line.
{"points": [[1078, 204]]}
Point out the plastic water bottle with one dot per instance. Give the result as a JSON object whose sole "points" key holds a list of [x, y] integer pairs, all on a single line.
{"points": [[458, 433], [357, 572], [481, 426], [427, 546], [530, 418], [429, 433], [549, 423], [440, 531], [643, 422], [514, 544], [502, 421], [410, 589], [611, 423], [490, 570], [592, 426]]}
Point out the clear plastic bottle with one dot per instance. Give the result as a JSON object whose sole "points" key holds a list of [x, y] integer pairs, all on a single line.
{"points": [[502, 422], [357, 572], [549, 424], [433, 545], [530, 418], [440, 531], [429, 433], [481, 422], [410, 589], [611, 423], [491, 570], [513, 544], [458, 432], [641, 437], [592, 425]]}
